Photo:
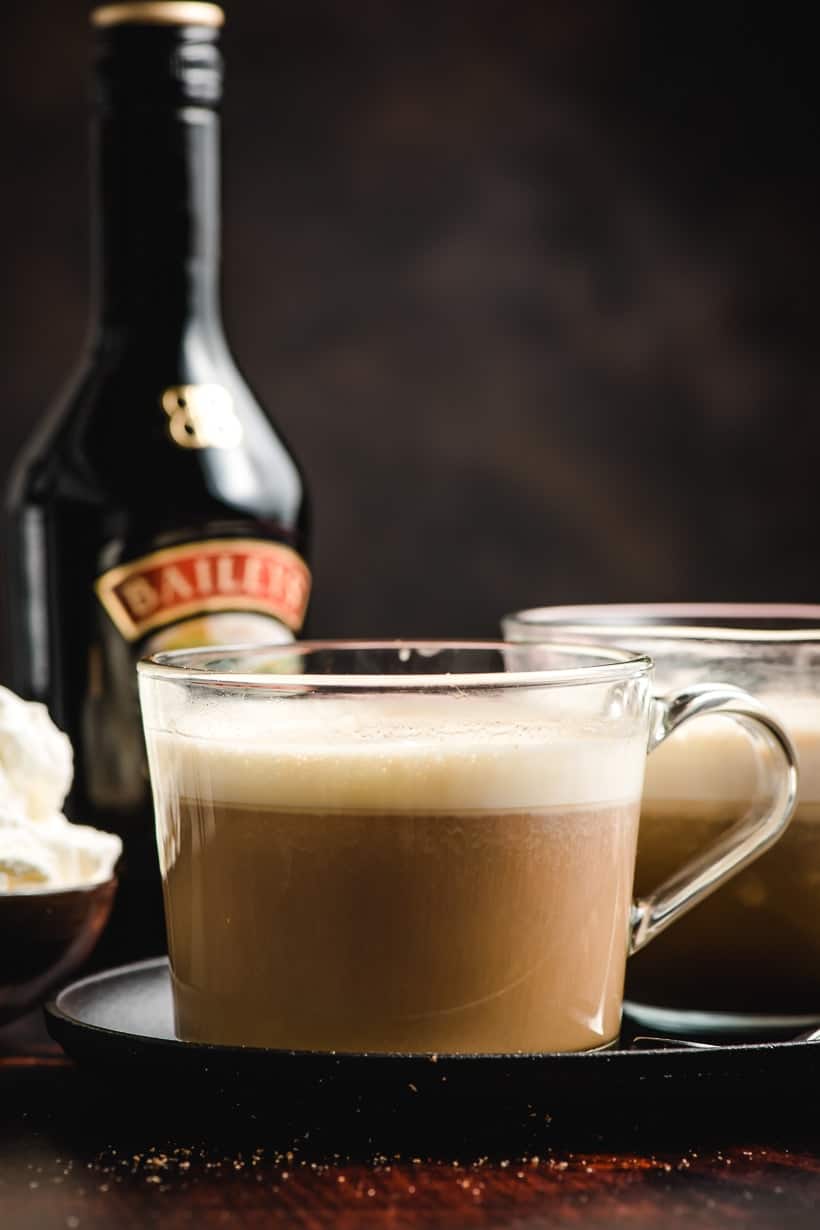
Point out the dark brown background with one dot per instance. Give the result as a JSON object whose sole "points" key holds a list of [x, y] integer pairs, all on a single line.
{"points": [[530, 287]]}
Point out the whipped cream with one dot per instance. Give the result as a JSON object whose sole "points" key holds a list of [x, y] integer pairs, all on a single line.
{"points": [[39, 847]]}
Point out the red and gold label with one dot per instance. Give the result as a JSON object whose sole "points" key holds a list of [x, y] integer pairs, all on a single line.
{"points": [[226, 574]]}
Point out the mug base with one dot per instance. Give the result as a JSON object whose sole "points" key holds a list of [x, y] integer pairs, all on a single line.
{"points": [[720, 1026]]}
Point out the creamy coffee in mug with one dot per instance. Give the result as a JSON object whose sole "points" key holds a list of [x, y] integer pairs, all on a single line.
{"points": [[367, 862], [436, 882]]}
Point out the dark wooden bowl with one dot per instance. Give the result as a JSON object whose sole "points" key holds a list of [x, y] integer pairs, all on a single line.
{"points": [[44, 937]]}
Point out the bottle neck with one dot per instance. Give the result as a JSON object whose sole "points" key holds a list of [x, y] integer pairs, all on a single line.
{"points": [[157, 234]]}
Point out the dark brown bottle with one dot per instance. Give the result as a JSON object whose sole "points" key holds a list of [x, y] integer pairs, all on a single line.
{"points": [[158, 506]]}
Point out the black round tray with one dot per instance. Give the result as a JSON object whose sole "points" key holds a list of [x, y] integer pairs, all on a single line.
{"points": [[119, 1024]]}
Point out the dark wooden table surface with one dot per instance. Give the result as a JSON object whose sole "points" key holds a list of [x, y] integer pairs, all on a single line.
{"points": [[75, 1157]]}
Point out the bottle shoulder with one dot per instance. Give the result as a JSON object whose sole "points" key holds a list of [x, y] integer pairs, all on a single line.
{"points": [[176, 425]]}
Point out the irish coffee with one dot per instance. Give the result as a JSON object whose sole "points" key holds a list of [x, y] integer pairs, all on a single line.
{"points": [[435, 880]]}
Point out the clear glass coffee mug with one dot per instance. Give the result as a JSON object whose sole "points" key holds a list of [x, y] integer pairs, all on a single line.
{"points": [[747, 961], [420, 847]]}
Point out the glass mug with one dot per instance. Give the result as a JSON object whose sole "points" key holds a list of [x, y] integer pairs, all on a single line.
{"points": [[748, 960], [420, 847]]}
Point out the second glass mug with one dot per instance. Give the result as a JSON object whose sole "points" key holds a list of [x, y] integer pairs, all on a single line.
{"points": [[420, 847], [746, 963]]}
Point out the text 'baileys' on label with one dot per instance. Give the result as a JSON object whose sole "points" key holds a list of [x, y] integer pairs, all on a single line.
{"points": [[214, 575]]}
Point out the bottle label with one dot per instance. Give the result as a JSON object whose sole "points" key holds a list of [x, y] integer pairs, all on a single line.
{"points": [[225, 574]]}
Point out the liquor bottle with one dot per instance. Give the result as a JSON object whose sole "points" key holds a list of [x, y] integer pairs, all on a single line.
{"points": [[158, 507]]}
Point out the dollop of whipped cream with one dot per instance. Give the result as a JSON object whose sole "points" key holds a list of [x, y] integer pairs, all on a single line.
{"points": [[39, 847]]}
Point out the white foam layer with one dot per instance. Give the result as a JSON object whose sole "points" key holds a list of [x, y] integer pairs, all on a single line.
{"points": [[712, 758], [399, 753]]}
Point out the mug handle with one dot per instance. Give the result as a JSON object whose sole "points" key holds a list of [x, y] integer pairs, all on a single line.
{"points": [[763, 823]]}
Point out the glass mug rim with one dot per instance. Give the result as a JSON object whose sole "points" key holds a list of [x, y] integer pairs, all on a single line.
{"points": [[777, 623], [205, 666]]}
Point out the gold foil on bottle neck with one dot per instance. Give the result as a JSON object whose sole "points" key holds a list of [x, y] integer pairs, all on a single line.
{"points": [[158, 13]]}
